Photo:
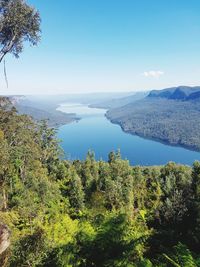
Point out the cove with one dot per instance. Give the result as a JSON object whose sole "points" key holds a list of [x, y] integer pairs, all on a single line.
{"points": [[95, 132]]}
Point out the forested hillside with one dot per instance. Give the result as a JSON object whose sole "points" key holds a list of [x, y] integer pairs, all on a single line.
{"points": [[170, 115], [91, 213], [42, 111], [54, 117]]}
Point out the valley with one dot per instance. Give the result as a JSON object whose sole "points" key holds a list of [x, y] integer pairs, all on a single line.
{"points": [[95, 132]]}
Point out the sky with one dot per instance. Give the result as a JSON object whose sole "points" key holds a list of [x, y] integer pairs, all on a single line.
{"points": [[109, 46]]}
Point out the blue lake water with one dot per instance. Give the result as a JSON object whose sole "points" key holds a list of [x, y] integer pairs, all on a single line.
{"points": [[95, 132]]}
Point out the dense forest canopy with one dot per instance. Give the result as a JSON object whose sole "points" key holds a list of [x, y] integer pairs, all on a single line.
{"points": [[91, 213]]}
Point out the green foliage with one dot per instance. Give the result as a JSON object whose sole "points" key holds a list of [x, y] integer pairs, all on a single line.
{"points": [[71, 187], [92, 213], [176, 186], [181, 256], [33, 252], [18, 23]]}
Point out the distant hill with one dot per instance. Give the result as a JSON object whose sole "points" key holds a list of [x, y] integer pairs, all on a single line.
{"points": [[119, 102], [42, 107], [184, 93], [41, 111], [55, 118], [171, 115], [52, 101]]}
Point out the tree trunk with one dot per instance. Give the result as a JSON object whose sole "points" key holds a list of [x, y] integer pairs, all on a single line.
{"points": [[2, 55], [6, 48], [5, 206]]}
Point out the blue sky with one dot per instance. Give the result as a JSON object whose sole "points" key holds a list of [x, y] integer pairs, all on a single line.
{"points": [[109, 45]]}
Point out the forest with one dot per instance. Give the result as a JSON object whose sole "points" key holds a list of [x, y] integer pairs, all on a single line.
{"points": [[169, 120], [91, 213]]}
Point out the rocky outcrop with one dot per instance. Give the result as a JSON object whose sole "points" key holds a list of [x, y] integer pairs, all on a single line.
{"points": [[4, 238]]}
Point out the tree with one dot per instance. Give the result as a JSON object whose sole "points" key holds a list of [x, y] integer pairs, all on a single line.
{"points": [[71, 187], [19, 22], [51, 152], [195, 206]]}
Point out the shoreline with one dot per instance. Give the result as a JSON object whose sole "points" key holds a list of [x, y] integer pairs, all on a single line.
{"points": [[164, 142]]}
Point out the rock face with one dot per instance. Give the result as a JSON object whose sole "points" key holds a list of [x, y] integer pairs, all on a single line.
{"points": [[4, 238]]}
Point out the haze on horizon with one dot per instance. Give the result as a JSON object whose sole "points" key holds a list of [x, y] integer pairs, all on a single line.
{"points": [[109, 46]]}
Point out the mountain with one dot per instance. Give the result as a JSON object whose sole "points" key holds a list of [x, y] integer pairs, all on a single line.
{"points": [[171, 115], [184, 93], [119, 102]]}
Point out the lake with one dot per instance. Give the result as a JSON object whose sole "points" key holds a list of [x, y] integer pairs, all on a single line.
{"points": [[95, 132]]}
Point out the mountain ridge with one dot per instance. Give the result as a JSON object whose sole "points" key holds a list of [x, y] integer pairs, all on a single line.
{"points": [[184, 93]]}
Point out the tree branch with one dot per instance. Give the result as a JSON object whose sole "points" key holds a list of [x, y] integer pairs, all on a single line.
{"points": [[7, 48]]}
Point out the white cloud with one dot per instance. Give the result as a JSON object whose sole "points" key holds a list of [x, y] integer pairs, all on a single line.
{"points": [[153, 73]]}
